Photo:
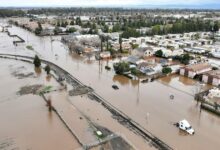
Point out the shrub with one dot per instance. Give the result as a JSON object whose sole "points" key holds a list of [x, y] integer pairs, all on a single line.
{"points": [[121, 67], [37, 61], [166, 70], [159, 53], [47, 69]]}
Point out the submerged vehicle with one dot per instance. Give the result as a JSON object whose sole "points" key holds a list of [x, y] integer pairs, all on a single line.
{"points": [[115, 87], [184, 125]]}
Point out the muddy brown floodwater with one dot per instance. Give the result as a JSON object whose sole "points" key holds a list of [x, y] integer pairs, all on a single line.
{"points": [[148, 104], [25, 120]]}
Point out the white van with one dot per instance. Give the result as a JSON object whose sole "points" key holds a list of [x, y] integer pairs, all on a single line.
{"points": [[184, 125]]}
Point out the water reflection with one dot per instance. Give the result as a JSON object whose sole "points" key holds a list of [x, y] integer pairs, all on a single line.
{"points": [[48, 78], [121, 79], [38, 70], [186, 81]]}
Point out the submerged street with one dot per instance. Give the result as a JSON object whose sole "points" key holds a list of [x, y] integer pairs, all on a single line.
{"points": [[148, 104]]}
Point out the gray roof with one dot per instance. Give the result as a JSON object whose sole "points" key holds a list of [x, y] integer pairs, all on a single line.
{"points": [[132, 59]]}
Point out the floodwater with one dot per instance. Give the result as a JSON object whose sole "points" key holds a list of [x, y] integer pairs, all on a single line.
{"points": [[148, 104], [25, 120]]}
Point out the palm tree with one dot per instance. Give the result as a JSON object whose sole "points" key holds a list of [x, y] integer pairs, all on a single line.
{"points": [[102, 40], [120, 42]]}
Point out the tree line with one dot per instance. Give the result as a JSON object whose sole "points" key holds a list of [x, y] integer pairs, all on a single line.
{"points": [[11, 12]]}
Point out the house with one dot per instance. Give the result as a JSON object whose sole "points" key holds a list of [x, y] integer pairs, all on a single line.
{"points": [[88, 49], [212, 77], [195, 50], [216, 53], [167, 52], [144, 30], [105, 55], [149, 69], [175, 68], [134, 60], [150, 60], [143, 52], [178, 52], [1, 29], [205, 42], [192, 70], [124, 45]]}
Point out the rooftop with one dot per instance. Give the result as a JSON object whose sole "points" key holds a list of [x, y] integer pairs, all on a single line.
{"points": [[198, 67], [213, 73]]}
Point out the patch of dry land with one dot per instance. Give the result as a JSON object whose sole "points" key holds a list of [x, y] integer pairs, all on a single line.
{"points": [[26, 123]]}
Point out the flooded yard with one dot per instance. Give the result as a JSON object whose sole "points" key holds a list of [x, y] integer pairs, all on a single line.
{"points": [[148, 104]]}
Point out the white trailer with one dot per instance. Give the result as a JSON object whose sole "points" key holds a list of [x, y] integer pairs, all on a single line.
{"points": [[184, 125]]}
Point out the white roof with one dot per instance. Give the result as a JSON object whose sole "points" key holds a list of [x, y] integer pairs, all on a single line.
{"points": [[185, 122]]}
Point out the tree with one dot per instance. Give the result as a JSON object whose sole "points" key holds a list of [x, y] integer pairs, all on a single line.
{"points": [[71, 30], [134, 46], [102, 40], [72, 22], [159, 53], [156, 29], [58, 24], [66, 23], [37, 61], [130, 32], [120, 43], [39, 29], [57, 30], [121, 67], [47, 69], [107, 44], [116, 28], [216, 27], [63, 24], [185, 58], [166, 70], [106, 28], [78, 21]]}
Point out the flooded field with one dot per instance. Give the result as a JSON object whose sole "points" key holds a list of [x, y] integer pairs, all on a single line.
{"points": [[148, 104], [26, 122]]}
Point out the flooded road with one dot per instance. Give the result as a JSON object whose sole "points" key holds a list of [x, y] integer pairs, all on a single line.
{"points": [[25, 120], [148, 104]]}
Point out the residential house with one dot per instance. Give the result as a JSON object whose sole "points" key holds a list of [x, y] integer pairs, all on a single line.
{"points": [[143, 52], [192, 70], [205, 42], [198, 50], [175, 68], [212, 77], [124, 45], [134, 60], [178, 52], [105, 55], [149, 69]]}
